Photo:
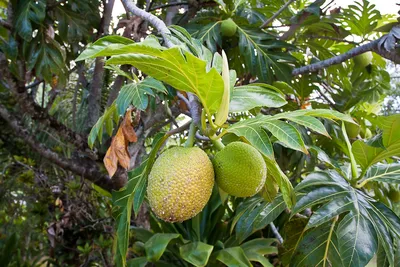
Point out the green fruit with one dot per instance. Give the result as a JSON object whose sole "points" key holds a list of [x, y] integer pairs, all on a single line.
{"points": [[228, 28], [180, 183], [240, 170], [365, 133], [352, 129], [363, 60], [394, 195]]}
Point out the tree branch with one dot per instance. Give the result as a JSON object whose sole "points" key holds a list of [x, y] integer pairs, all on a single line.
{"points": [[155, 21], [28, 105], [379, 46], [268, 21], [330, 38], [276, 232], [5, 24], [96, 86], [88, 171]]}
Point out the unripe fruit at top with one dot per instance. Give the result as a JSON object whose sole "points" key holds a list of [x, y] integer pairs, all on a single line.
{"points": [[394, 195], [180, 183], [228, 28], [365, 133], [240, 169], [352, 130], [363, 60]]}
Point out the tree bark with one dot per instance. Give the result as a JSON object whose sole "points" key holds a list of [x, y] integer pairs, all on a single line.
{"points": [[94, 101]]}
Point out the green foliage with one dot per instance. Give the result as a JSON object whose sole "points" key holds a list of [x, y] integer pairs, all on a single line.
{"points": [[366, 223]]}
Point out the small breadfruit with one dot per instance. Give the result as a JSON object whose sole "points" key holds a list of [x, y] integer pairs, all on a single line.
{"points": [[394, 195], [228, 28], [363, 60], [352, 130], [180, 183], [240, 169]]}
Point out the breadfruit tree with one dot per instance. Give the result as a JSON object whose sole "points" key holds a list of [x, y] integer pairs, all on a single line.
{"points": [[199, 133]]}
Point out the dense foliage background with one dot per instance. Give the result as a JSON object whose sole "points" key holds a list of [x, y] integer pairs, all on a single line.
{"points": [[58, 114]]}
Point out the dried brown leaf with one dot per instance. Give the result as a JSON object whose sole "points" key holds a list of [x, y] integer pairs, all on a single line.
{"points": [[118, 150], [111, 161], [127, 127]]}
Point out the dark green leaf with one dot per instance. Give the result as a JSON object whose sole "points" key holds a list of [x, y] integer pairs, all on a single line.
{"points": [[137, 262], [234, 256], [157, 244], [263, 55], [260, 216], [29, 12], [196, 253], [318, 247]]}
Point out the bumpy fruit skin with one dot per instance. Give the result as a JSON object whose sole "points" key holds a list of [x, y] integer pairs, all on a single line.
{"points": [[180, 183], [240, 169], [363, 60], [228, 28]]}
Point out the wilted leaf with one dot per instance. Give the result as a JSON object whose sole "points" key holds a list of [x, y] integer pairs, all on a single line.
{"points": [[111, 161], [118, 151], [127, 126]]}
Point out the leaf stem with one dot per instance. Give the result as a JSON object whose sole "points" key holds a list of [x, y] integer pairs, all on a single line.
{"points": [[192, 134], [334, 220], [352, 159]]}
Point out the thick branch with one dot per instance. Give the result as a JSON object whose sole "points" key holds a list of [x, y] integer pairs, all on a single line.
{"points": [[94, 101], [28, 105], [155, 21], [88, 171], [268, 21], [375, 46]]}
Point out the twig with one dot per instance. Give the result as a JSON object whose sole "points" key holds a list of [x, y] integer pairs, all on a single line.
{"points": [[5, 24], [202, 137], [333, 105], [169, 5], [180, 129], [34, 84], [155, 21], [276, 232], [268, 21], [330, 38]]}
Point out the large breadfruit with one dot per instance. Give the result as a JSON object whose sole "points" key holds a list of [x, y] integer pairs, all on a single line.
{"points": [[180, 183], [240, 170]]}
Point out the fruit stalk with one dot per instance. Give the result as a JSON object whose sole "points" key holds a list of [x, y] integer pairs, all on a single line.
{"points": [[218, 144], [192, 134]]}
